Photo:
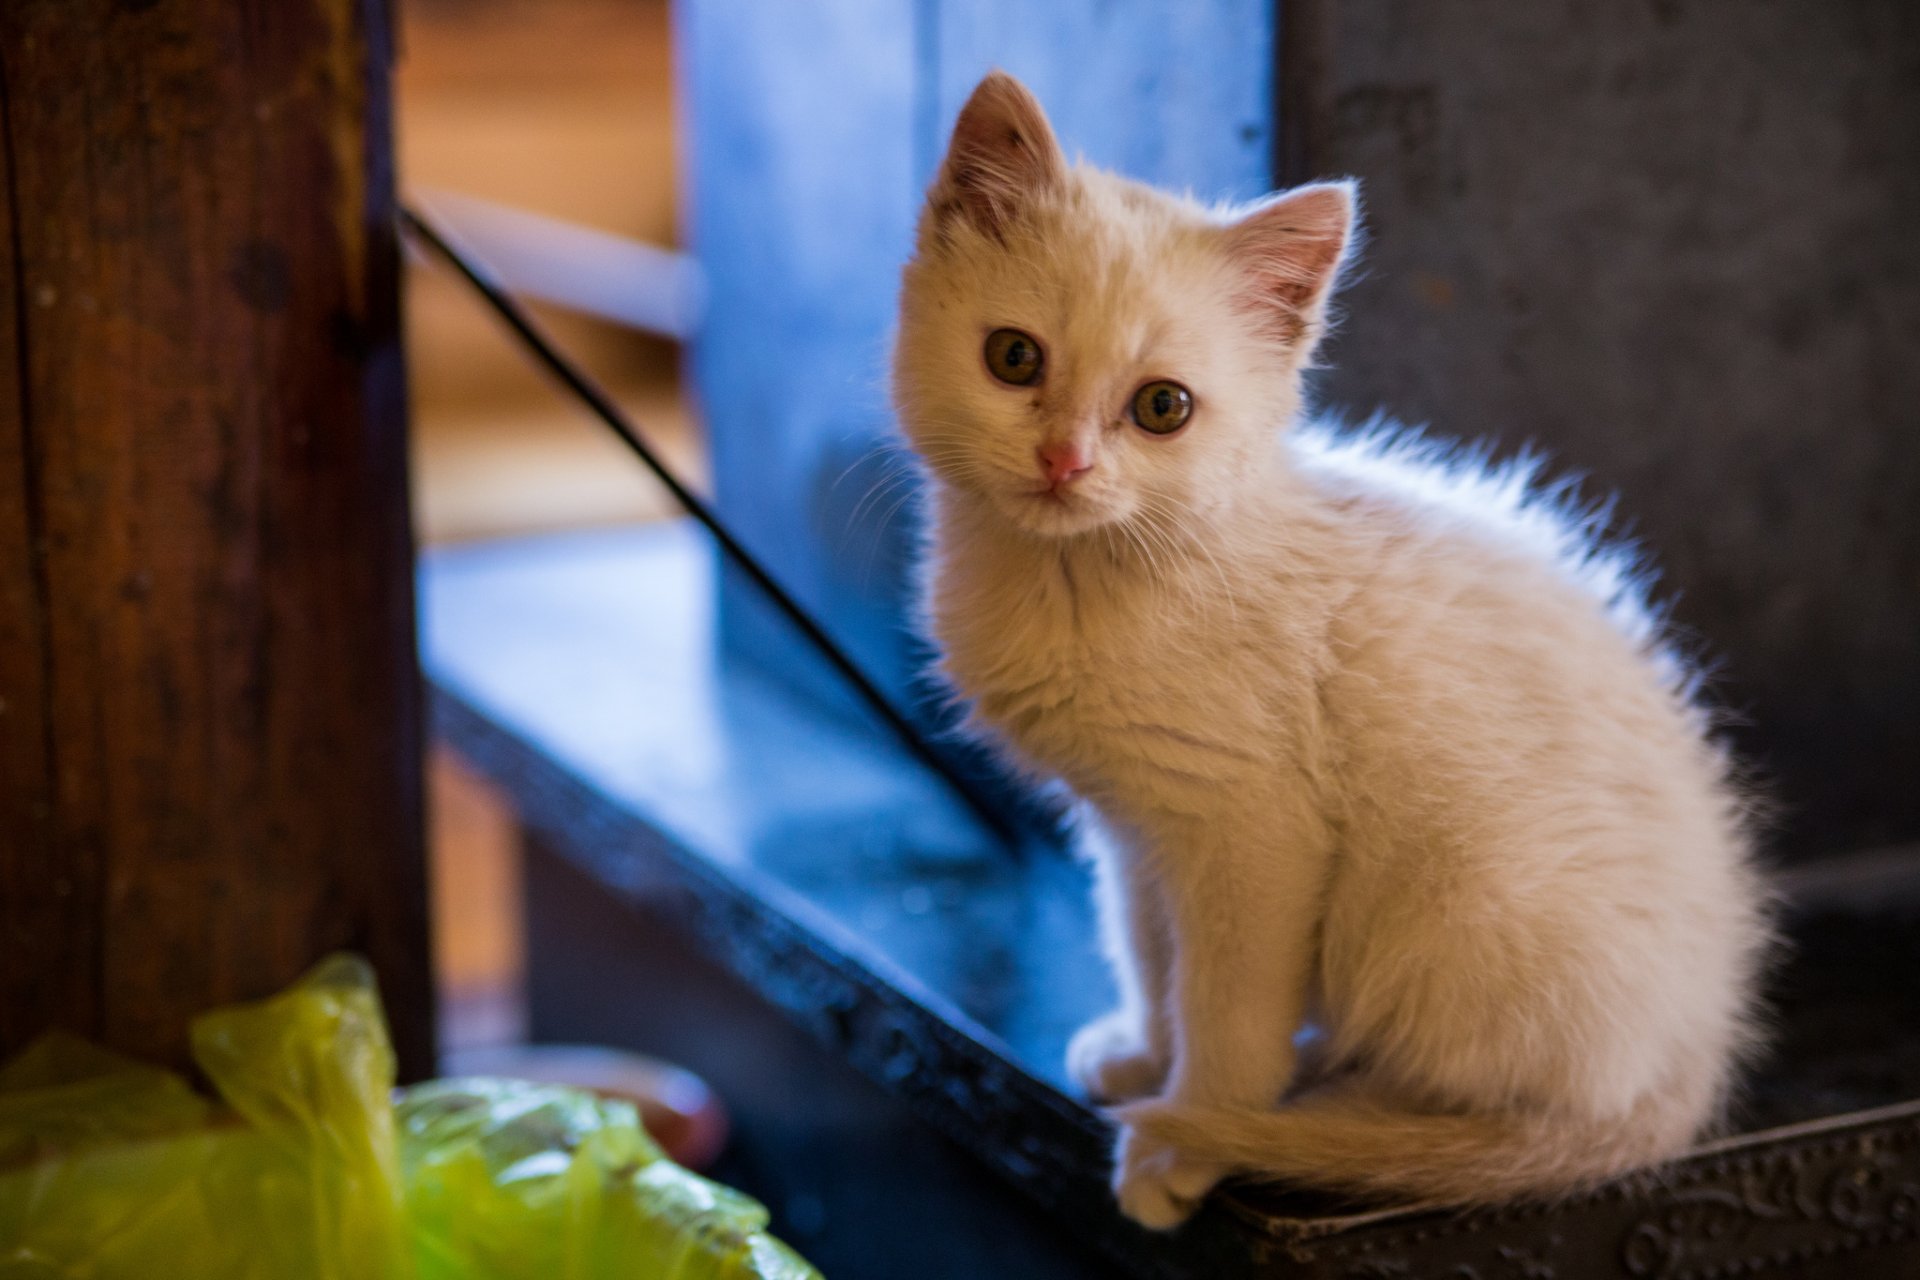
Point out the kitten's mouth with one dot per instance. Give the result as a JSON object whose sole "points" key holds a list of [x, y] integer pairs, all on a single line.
{"points": [[1056, 512]]}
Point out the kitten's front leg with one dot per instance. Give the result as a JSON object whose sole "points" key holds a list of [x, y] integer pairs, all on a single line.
{"points": [[1243, 896], [1125, 1054]]}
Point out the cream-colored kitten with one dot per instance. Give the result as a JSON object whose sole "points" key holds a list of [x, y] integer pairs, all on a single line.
{"points": [[1386, 746]]}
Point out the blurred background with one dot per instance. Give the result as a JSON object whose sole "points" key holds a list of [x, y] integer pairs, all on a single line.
{"points": [[1671, 248], [1670, 244], [564, 109]]}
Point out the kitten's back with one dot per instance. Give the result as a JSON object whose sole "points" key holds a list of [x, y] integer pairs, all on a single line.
{"points": [[1453, 489]]}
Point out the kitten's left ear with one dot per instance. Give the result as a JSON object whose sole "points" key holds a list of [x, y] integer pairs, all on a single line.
{"points": [[1291, 250]]}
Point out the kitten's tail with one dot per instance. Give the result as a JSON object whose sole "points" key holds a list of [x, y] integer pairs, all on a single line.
{"points": [[1342, 1138]]}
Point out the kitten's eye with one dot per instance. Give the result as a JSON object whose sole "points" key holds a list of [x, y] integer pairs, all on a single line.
{"points": [[1013, 356], [1162, 407]]}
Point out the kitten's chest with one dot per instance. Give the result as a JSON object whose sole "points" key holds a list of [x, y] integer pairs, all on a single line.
{"points": [[1112, 689]]}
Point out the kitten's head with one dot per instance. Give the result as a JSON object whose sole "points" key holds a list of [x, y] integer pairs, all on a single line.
{"points": [[1076, 349]]}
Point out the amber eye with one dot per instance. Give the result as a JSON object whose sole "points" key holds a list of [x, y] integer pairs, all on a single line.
{"points": [[1013, 356], [1162, 407]]}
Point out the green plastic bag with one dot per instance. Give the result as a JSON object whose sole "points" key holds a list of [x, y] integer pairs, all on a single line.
{"points": [[113, 1170], [508, 1180]]}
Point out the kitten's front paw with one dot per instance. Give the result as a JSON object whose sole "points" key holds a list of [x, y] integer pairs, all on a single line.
{"points": [[1109, 1061], [1158, 1185]]}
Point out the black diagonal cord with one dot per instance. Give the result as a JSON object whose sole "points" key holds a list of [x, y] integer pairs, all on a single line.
{"points": [[590, 394]]}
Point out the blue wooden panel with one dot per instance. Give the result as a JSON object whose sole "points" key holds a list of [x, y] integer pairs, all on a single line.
{"points": [[1176, 92], [812, 130], [798, 121]]}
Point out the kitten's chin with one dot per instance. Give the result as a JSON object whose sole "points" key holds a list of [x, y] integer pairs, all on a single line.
{"points": [[1047, 515]]}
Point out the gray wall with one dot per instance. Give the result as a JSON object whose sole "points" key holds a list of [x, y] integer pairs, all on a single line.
{"points": [[1676, 244]]}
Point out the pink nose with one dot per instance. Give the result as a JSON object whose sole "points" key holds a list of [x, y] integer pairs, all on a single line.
{"points": [[1062, 462]]}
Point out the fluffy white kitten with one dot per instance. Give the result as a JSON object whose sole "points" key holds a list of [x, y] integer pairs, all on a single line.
{"points": [[1386, 745]]}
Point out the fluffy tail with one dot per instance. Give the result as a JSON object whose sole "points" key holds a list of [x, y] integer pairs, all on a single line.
{"points": [[1344, 1139]]}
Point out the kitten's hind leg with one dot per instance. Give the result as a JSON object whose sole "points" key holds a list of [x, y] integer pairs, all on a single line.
{"points": [[1160, 1183]]}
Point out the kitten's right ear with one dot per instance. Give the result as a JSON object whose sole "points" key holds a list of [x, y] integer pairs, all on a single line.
{"points": [[1003, 153]]}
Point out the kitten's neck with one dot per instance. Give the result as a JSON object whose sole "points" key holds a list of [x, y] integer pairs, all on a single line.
{"points": [[987, 567], [969, 530]]}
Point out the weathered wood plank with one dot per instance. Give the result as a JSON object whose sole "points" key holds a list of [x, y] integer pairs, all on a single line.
{"points": [[204, 552], [38, 905]]}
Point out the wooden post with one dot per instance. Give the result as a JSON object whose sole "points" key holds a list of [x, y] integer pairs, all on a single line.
{"points": [[210, 764]]}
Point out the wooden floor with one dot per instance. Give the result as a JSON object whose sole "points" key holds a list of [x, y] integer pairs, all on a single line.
{"points": [[564, 108]]}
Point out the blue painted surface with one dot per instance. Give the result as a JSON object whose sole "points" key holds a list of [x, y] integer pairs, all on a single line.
{"points": [[1178, 94], [800, 143], [599, 648], [811, 132]]}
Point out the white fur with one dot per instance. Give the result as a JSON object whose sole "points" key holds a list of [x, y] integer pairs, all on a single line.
{"points": [[1384, 742]]}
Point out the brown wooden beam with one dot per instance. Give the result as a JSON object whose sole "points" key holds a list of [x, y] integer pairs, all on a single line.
{"points": [[209, 708]]}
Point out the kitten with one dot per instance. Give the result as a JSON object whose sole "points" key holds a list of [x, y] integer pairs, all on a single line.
{"points": [[1385, 743]]}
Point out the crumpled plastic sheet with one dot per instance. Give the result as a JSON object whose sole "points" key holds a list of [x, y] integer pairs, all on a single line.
{"points": [[312, 1169], [508, 1179]]}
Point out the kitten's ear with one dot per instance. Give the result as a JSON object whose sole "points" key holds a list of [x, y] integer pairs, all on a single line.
{"points": [[1291, 249], [1003, 153]]}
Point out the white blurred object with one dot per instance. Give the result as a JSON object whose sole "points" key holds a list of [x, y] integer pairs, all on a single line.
{"points": [[626, 281]]}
